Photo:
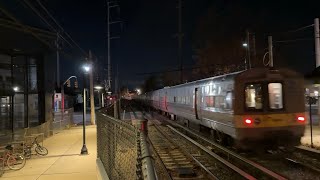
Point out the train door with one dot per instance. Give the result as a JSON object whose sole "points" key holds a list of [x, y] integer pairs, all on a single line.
{"points": [[166, 101], [197, 102]]}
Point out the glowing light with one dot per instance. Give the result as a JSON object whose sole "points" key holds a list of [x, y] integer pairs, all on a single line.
{"points": [[138, 91], [98, 87], [245, 45], [86, 68], [301, 118], [16, 89], [248, 121]]}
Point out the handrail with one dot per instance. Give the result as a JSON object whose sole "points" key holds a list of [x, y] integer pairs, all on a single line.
{"points": [[146, 158]]}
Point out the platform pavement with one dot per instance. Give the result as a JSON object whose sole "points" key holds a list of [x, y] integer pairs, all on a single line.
{"points": [[306, 139], [64, 160]]}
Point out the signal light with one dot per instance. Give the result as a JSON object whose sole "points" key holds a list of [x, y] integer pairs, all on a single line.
{"points": [[76, 84], [248, 121], [301, 118]]}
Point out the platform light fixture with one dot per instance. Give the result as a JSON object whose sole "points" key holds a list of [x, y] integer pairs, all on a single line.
{"points": [[98, 87]]}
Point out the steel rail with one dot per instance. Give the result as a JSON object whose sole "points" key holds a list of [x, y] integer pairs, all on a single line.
{"points": [[261, 168], [226, 163], [186, 153]]}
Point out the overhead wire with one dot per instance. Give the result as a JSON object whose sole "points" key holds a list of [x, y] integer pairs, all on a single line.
{"points": [[24, 27], [45, 21], [27, 29], [46, 10], [293, 40]]}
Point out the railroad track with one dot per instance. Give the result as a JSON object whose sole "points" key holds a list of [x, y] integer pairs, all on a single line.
{"points": [[179, 163], [263, 166], [283, 165], [190, 157], [230, 159]]}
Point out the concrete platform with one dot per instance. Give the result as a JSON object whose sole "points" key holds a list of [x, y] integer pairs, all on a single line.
{"points": [[64, 160], [306, 139]]}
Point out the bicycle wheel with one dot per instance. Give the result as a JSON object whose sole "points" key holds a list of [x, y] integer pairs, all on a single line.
{"points": [[27, 152], [41, 150], [16, 161]]}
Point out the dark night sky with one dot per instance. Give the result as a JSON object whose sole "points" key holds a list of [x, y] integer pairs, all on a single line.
{"points": [[147, 42]]}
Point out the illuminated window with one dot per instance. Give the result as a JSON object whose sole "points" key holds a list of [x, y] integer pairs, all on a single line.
{"points": [[228, 100], [253, 95], [219, 101], [275, 95], [210, 101]]}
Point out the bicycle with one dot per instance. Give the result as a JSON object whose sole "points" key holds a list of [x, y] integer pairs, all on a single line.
{"points": [[40, 150], [13, 161]]}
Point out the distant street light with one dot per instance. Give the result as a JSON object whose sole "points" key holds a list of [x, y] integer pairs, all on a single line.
{"points": [[16, 89], [98, 87], [138, 91], [245, 45], [86, 68]]}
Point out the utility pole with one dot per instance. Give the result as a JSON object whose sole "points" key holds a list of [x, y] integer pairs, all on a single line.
{"points": [[58, 61], [110, 4], [270, 51], [317, 41], [93, 122], [109, 63], [248, 49], [180, 37], [254, 48], [317, 53]]}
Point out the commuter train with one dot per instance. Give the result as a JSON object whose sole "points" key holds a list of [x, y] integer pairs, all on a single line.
{"points": [[242, 108]]}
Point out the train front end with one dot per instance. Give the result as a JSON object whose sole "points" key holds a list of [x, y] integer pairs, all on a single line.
{"points": [[270, 108]]}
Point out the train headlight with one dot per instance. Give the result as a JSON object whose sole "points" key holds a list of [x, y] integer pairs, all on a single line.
{"points": [[301, 118]]}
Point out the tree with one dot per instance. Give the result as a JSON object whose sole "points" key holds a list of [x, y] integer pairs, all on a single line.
{"points": [[151, 83], [170, 78]]}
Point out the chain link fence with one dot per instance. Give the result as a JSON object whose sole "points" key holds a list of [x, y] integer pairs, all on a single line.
{"points": [[62, 121], [124, 149], [117, 147]]}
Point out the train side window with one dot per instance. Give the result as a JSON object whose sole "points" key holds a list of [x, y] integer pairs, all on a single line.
{"points": [[209, 101], [253, 95], [229, 100], [219, 102], [275, 96]]}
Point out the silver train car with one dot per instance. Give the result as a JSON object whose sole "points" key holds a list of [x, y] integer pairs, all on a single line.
{"points": [[242, 108]]}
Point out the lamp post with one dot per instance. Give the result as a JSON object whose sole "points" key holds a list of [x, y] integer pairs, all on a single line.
{"points": [[245, 45], [15, 89], [84, 150]]}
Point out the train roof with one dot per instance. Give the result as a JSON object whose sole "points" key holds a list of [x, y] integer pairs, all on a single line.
{"points": [[262, 73], [256, 73], [210, 78]]}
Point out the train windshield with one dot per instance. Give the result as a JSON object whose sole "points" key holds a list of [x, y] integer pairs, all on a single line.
{"points": [[253, 94], [275, 96]]}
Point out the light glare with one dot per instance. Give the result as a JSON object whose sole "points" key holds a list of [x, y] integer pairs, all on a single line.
{"points": [[15, 89], [86, 68]]}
